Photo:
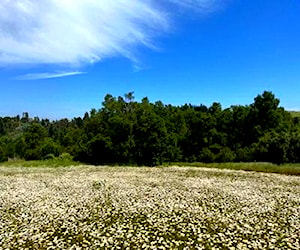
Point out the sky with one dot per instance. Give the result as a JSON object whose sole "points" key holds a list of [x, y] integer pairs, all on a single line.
{"points": [[59, 58]]}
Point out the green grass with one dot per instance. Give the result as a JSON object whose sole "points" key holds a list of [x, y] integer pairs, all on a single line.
{"points": [[295, 113], [288, 169], [43, 163]]}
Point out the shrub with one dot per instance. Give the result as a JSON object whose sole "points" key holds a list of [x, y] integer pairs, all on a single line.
{"points": [[3, 156], [65, 157], [49, 157], [49, 147], [206, 155], [225, 155]]}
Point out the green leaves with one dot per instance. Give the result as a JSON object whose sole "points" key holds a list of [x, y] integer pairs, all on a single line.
{"points": [[123, 131]]}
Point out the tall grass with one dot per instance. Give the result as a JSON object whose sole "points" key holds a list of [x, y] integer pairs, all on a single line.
{"points": [[295, 113], [56, 162], [288, 169], [265, 167]]}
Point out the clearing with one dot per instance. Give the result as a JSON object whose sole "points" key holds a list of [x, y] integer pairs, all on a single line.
{"points": [[150, 208]]}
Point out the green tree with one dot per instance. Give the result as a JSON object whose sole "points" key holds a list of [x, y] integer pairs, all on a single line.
{"points": [[49, 147], [3, 155], [273, 147], [150, 136], [264, 113], [33, 140]]}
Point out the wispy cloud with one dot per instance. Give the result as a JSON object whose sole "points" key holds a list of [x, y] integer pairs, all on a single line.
{"points": [[80, 32], [47, 75], [204, 5]]}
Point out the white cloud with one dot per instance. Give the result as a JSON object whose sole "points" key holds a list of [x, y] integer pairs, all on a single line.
{"points": [[47, 75], [205, 5], [81, 31]]}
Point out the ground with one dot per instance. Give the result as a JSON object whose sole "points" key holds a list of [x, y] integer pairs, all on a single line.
{"points": [[147, 208]]}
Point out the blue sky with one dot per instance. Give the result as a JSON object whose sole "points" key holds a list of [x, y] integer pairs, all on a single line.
{"points": [[60, 58]]}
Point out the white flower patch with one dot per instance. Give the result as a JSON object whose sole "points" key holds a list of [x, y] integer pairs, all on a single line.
{"points": [[149, 208]]}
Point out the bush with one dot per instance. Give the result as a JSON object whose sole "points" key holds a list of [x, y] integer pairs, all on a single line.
{"points": [[225, 155], [49, 157], [3, 156], [49, 147], [65, 157], [206, 155], [32, 154], [244, 154]]}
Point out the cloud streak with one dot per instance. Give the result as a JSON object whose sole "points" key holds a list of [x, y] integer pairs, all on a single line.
{"points": [[47, 75], [76, 32], [199, 5]]}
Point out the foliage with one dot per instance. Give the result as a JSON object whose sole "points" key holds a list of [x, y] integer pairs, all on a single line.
{"points": [[124, 131], [3, 156]]}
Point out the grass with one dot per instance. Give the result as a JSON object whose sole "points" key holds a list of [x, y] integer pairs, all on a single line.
{"points": [[43, 163], [86, 207], [295, 113], [288, 169]]}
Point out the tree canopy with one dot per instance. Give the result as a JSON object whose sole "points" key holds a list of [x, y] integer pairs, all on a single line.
{"points": [[124, 131]]}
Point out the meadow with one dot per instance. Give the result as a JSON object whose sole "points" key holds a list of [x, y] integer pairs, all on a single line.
{"points": [[295, 113], [88, 207]]}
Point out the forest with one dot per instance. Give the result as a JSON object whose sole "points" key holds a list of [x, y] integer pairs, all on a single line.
{"points": [[127, 132]]}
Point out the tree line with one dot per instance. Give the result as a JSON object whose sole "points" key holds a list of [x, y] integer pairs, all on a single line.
{"points": [[126, 132]]}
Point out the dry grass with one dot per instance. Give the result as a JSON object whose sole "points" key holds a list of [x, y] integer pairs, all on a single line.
{"points": [[147, 208]]}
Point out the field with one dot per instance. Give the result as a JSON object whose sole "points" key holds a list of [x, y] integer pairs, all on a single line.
{"points": [[147, 208], [295, 113]]}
